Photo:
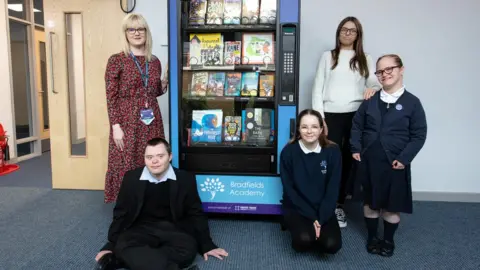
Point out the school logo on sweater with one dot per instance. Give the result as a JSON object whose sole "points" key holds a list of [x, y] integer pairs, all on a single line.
{"points": [[323, 166]]}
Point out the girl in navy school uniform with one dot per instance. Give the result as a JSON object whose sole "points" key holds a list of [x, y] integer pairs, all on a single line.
{"points": [[310, 169], [388, 131]]}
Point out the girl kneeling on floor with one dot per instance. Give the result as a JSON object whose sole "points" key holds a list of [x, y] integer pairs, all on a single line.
{"points": [[388, 131], [310, 169]]}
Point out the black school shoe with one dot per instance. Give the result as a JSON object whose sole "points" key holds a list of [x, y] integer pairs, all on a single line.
{"points": [[374, 246], [107, 262], [387, 248]]}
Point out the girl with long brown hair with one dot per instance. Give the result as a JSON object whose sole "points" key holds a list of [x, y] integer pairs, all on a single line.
{"points": [[310, 169], [344, 78]]}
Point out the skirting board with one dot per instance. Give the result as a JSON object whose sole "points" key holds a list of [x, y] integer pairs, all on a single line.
{"points": [[447, 197]]}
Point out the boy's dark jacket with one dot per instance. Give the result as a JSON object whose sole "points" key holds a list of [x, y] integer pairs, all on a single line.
{"points": [[185, 204], [402, 130]]}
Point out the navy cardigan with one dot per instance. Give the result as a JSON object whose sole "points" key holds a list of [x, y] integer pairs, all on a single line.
{"points": [[402, 130]]}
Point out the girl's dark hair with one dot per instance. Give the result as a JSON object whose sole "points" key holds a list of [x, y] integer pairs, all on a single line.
{"points": [[359, 61], [324, 142], [396, 58]]}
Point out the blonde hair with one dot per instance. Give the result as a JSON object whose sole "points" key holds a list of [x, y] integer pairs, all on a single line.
{"points": [[134, 20]]}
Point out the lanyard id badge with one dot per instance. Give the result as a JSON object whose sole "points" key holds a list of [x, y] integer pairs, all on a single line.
{"points": [[146, 115]]}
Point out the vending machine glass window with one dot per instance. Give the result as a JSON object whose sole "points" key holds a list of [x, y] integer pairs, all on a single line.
{"points": [[228, 87]]}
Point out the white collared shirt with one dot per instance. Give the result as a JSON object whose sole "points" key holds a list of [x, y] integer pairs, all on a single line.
{"points": [[391, 98], [307, 151], [147, 176]]}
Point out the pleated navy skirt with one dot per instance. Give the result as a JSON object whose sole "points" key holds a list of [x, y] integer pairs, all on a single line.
{"points": [[383, 187]]}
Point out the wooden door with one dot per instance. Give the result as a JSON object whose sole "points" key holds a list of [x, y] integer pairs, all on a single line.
{"points": [[81, 35]]}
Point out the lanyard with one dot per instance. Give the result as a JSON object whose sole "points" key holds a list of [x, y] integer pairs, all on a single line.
{"points": [[144, 75]]}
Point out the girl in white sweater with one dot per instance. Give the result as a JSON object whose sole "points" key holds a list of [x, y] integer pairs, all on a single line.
{"points": [[345, 76]]}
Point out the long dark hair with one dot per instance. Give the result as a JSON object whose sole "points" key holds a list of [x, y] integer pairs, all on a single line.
{"points": [[359, 61], [324, 142]]}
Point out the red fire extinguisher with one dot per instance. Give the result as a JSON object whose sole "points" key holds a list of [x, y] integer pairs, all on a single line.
{"points": [[5, 154]]}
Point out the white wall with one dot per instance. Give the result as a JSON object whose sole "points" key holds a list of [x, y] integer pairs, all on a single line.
{"points": [[6, 117], [156, 14], [438, 42]]}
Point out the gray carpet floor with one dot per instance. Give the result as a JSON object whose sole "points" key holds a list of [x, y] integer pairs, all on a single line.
{"points": [[57, 229]]}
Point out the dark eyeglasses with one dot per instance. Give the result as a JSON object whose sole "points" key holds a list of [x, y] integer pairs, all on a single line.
{"points": [[133, 30], [387, 70], [345, 30]]}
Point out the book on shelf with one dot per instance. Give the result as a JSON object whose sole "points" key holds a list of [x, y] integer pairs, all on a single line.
{"points": [[198, 9], [268, 11], [250, 11], [258, 48], [266, 85], [232, 11], [215, 12], [258, 126], [206, 126], [216, 82], [206, 49], [232, 128], [233, 84], [199, 84], [249, 84], [233, 52]]}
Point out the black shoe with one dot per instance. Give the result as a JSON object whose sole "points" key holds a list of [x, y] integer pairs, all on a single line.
{"points": [[387, 248], [373, 246], [107, 262]]}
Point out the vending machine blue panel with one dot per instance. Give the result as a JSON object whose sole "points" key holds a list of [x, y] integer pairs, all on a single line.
{"points": [[174, 68]]}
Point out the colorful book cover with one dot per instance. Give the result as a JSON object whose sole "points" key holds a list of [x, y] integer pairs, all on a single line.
{"points": [[215, 12], [233, 50], [258, 48], [250, 11], [232, 11], [206, 49], [232, 128], [199, 84], [268, 12], [198, 9], [249, 84], [216, 83], [207, 126], [233, 84], [267, 85]]}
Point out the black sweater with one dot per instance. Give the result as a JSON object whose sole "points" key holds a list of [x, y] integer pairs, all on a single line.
{"points": [[311, 182]]}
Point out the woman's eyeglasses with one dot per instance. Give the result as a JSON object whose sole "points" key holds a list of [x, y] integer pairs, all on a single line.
{"points": [[387, 70], [132, 31], [345, 31]]}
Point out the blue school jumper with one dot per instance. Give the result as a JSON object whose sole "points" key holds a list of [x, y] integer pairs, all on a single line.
{"points": [[311, 182]]}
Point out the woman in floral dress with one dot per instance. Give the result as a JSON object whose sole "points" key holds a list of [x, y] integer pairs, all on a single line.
{"points": [[133, 83]]}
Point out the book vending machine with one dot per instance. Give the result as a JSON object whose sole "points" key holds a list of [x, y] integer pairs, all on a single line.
{"points": [[233, 97]]}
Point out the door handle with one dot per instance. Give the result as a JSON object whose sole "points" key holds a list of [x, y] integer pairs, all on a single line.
{"points": [[50, 35]]}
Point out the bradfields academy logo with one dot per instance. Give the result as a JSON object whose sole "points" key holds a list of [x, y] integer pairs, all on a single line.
{"points": [[241, 188], [213, 186]]}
